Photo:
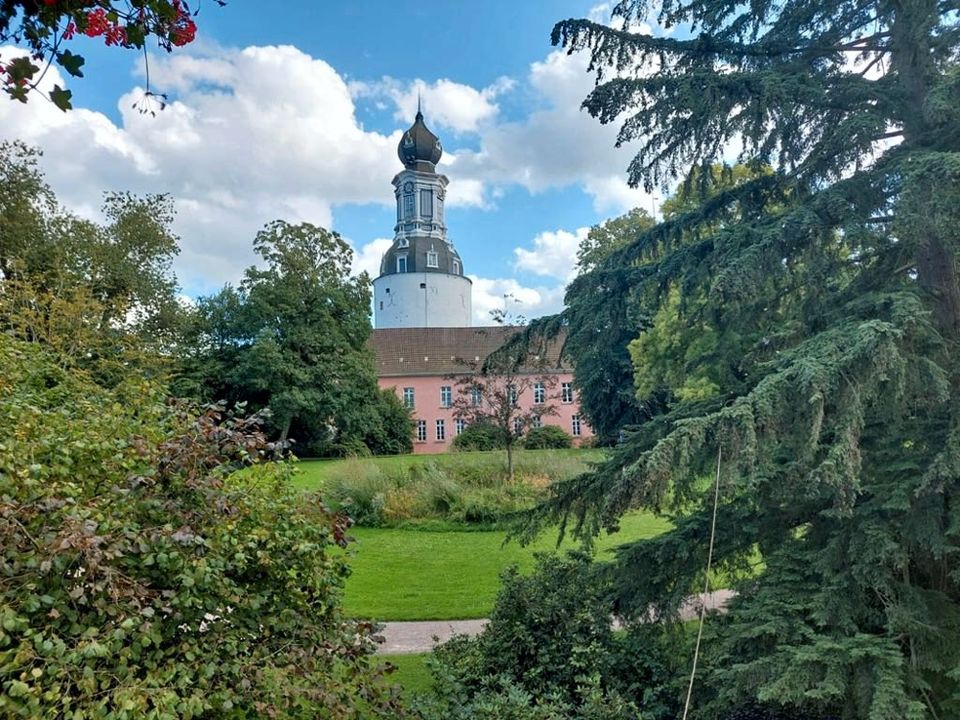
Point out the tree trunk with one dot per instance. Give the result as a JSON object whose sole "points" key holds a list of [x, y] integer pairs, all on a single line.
{"points": [[286, 431], [509, 461], [937, 275]]}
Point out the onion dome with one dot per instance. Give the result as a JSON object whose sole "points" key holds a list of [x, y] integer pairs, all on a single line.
{"points": [[419, 149]]}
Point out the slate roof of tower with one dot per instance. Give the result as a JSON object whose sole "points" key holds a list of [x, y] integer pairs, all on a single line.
{"points": [[450, 351], [416, 254]]}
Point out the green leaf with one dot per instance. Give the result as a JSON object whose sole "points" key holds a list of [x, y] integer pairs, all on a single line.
{"points": [[61, 98], [71, 62]]}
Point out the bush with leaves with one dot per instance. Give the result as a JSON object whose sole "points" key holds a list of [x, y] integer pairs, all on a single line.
{"points": [[140, 577], [547, 437], [479, 436], [550, 644]]}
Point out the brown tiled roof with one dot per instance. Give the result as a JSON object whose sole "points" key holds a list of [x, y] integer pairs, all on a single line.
{"points": [[448, 351]]}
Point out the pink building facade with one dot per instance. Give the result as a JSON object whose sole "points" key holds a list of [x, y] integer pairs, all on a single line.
{"points": [[422, 366]]}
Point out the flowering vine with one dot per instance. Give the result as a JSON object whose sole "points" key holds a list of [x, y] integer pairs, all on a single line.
{"points": [[46, 28]]}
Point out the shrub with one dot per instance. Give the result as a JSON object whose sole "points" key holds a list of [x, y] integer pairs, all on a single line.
{"points": [[547, 437], [480, 436], [143, 578], [549, 643]]}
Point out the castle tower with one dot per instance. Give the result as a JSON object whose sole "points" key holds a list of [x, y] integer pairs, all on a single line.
{"points": [[421, 282]]}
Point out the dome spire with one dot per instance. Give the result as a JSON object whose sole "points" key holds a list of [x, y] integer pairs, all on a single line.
{"points": [[420, 149]]}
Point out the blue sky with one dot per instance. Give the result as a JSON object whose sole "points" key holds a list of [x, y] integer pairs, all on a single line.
{"points": [[296, 115]]}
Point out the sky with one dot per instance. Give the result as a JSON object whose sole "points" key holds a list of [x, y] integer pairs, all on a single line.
{"points": [[296, 115]]}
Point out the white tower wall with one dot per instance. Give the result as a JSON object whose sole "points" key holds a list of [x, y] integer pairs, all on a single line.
{"points": [[422, 299]]}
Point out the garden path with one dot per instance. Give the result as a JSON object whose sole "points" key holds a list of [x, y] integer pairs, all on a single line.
{"points": [[416, 637]]}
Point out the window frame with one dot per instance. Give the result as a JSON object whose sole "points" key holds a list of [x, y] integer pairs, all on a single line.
{"points": [[409, 397], [441, 430], [421, 431]]}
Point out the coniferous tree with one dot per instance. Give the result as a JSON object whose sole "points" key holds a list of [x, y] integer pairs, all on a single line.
{"points": [[840, 420]]}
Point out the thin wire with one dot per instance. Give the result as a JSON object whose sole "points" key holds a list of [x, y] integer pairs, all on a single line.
{"points": [[706, 588]]}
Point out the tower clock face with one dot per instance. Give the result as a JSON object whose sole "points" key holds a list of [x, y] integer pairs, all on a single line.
{"points": [[408, 187]]}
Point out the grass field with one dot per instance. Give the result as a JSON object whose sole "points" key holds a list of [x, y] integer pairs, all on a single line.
{"points": [[311, 474], [418, 575], [411, 674]]}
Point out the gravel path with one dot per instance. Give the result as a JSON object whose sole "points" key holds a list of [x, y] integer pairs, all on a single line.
{"points": [[417, 637]]}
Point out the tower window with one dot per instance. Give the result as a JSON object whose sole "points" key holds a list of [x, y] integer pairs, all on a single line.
{"points": [[408, 206], [432, 259], [426, 203], [401, 263], [456, 267]]}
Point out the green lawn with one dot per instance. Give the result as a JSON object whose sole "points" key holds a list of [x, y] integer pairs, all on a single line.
{"points": [[418, 575], [411, 674]]}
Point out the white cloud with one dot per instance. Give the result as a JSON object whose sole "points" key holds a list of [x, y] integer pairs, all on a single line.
{"points": [[558, 145], [446, 103], [518, 301], [554, 254], [368, 257], [253, 135]]}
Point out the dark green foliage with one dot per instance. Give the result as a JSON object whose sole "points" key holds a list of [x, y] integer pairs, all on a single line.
{"points": [[550, 642], [828, 291], [142, 577], [547, 437], [292, 338], [480, 436]]}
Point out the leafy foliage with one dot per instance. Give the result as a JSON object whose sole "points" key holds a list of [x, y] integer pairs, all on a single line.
{"points": [[293, 338], [549, 643], [102, 297], [810, 319], [143, 577], [480, 436], [47, 27], [547, 437]]}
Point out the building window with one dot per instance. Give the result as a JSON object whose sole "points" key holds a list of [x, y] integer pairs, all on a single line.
{"points": [[539, 393], [441, 430], [456, 267], [512, 395], [460, 425], [536, 422], [408, 206], [476, 395], [426, 203], [575, 425], [517, 426], [446, 396], [408, 397], [421, 430], [401, 263], [566, 392], [432, 259]]}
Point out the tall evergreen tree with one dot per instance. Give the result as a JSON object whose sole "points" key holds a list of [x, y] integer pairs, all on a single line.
{"points": [[840, 427]]}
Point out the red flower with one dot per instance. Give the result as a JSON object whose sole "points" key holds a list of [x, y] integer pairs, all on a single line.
{"points": [[183, 32], [70, 31], [97, 23], [116, 35]]}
